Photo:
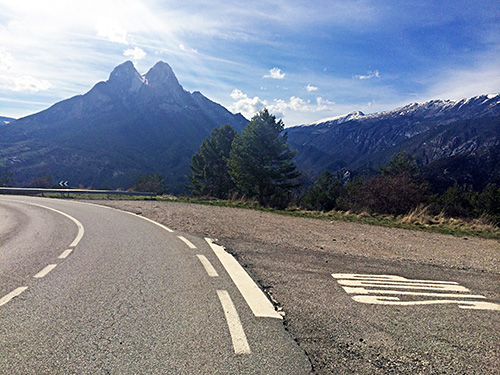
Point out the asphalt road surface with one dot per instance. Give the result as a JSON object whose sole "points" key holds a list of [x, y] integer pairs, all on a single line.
{"points": [[92, 290], [362, 299]]}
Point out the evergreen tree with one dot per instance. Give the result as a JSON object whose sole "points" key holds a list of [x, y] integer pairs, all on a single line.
{"points": [[488, 202], [323, 195], [401, 164], [261, 163], [209, 170]]}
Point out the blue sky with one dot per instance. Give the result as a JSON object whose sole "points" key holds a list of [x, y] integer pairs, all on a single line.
{"points": [[303, 60]]}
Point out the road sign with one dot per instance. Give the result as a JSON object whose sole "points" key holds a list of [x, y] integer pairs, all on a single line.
{"points": [[63, 183], [383, 289]]}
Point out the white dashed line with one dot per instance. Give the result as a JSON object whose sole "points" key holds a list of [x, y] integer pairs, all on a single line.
{"points": [[45, 271], [240, 343], [187, 242], [65, 254], [208, 266], [12, 295]]}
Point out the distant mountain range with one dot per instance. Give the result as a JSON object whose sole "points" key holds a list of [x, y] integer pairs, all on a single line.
{"points": [[454, 141], [134, 124], [130, 125]]}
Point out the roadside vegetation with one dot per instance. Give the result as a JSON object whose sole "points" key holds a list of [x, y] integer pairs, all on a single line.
{"points": [[256, 170]]}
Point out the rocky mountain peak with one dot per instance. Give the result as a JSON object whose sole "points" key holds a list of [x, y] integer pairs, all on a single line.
{"points": [[162, 75], [126, 77]]}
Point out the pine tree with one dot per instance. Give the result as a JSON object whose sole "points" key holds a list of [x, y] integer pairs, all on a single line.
{"points": [[261, 163], [323, 195], [209, 170]]}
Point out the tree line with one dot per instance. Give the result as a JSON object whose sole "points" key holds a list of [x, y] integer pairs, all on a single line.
{"points": [[258, 165], [398, 189]]}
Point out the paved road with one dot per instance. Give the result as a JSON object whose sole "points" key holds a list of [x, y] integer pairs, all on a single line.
{"points": [[91, 290], [363, 315]]}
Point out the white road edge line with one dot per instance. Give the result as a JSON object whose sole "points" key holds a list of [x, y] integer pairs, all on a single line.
{"points": [[65, 254], [208, 266], [238, 337], [45, 271], [12, 295], [127, 212], [187, 242], [81, 230], [255, 298], [144, 218]]}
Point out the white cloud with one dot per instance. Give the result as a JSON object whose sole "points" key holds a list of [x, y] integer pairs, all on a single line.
{"points": [[369, 75], [135, 54], [483, 78], [311, 88], [23, 83], [245, 105], [275, 73], [237, 94], [248, 107], [12, 79], [6, 60], [186, 49], [108, 30], [324, 104]]}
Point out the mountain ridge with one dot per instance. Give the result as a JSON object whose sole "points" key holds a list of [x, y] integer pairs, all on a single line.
{"points": [[126, 126], [431, 131]]}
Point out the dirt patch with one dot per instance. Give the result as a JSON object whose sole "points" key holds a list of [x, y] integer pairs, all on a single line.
{"points": [[319, 236]]}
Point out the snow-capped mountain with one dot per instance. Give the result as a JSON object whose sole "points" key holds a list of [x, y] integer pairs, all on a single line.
{"points": [[432, 131], [441, 111], [129, 125]]}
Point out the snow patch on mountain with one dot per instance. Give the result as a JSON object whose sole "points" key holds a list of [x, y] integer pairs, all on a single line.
{"points": [[435, 110]]}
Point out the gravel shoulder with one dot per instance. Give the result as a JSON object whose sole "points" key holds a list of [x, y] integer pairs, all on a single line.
{"points": [[293, 259], [316, 236]]}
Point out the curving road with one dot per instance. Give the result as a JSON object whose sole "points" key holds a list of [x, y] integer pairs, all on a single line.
{"points": [[86, 289]]}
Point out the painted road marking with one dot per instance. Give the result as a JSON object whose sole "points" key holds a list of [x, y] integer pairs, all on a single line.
{"points": [[187, 242], [12, 295], [403, 285], [45, 271], [238, 337], [128, 213], [355, 284], [145, 218], [81, 230], [255, 298], [208, 266], [368, 291], [65, 254]]}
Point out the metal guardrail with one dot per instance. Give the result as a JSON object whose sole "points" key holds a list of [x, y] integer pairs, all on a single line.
{"points": [[67, 192]]}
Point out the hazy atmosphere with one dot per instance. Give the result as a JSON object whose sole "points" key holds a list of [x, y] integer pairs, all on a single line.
{"points": [[303, 62]]}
